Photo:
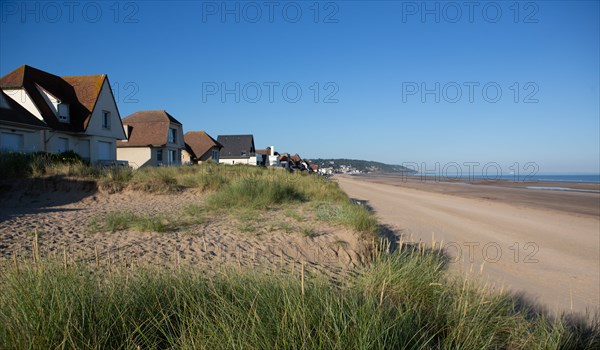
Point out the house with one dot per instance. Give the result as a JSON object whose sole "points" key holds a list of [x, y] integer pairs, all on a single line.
{"points": [[200, 147], [237, 149], [154, 138], [43, 112], [271, 157]]}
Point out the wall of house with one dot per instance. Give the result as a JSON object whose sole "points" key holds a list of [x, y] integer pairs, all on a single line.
{"points": [[179, 141], [31, 140], [137, 156], [237, 161], [186, 157], [208, 155], [166, 150], [96, 144], [273, 161], [107, 103], [22, 97], [54, 142]]}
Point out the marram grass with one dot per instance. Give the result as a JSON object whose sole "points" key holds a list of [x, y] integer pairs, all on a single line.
{"points": [[399, 301]]}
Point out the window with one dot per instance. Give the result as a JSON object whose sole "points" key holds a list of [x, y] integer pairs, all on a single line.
{"points": [[63, 112], [63, 145], [159, 155], [11, 142], [105, 120], [173, 157], [215, 155], [172, 135]]}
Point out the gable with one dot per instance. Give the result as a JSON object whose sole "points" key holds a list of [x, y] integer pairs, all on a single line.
{"points": [[105, 102]]}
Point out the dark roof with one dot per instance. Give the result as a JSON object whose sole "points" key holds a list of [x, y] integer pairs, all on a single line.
{"points": [[147, 128], [236, 146], [14, 113], [197, 143], [80, 92]]}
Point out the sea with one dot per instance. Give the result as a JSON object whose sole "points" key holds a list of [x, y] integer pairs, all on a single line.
{"points": [[568, 178], [563, 181]]}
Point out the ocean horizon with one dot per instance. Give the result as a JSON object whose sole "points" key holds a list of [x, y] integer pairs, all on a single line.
{"points": [[567, 178]]}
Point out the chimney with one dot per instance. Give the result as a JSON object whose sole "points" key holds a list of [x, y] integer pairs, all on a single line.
{"points": [[272, 150]]}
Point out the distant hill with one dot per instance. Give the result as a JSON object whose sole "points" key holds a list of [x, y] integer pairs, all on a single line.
{"points": [[361, 165]]}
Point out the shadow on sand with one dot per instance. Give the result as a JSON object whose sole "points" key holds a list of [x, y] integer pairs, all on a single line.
{"points": [[41, 195]]}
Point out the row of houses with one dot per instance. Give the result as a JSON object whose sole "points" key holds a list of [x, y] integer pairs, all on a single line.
{"points": [[43, 112]]}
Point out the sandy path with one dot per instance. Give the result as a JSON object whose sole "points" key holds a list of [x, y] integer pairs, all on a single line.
{"points": [[552, 256]]}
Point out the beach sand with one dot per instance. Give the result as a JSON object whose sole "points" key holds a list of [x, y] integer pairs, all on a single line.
{"points": [[61, 212], [539, 243]]}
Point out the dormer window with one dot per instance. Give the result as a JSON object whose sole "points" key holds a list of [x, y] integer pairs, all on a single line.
{"points": [[63, 112], [106, 120], [172, 135]]}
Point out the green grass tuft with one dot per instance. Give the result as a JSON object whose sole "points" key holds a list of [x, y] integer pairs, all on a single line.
{"points": [[120, 221], [254, 193]]}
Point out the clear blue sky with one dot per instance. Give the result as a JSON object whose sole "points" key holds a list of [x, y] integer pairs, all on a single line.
{"points": [[373, 58]]}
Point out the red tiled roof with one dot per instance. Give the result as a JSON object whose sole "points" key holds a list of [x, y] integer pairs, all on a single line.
{"points": [[147, 128], [199, 142]]}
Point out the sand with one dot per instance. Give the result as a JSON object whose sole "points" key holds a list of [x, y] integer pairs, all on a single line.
{"points": [[543, 244], [61, 213]]}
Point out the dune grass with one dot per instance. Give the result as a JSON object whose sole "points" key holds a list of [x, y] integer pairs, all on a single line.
{"points": [[401, 301], [255, 193], [405, 300], [126, 220]]}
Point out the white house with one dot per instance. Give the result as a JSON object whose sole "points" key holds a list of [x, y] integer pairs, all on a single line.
{"points": [[237, 149], [40, 111], [271, 158], [154, 138]]}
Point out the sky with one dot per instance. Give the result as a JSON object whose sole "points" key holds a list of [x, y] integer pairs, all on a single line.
{"points": [[433, 85]]}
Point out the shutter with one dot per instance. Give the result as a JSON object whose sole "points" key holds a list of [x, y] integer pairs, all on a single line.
{"points": [[11, 142], [104, 151]]}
